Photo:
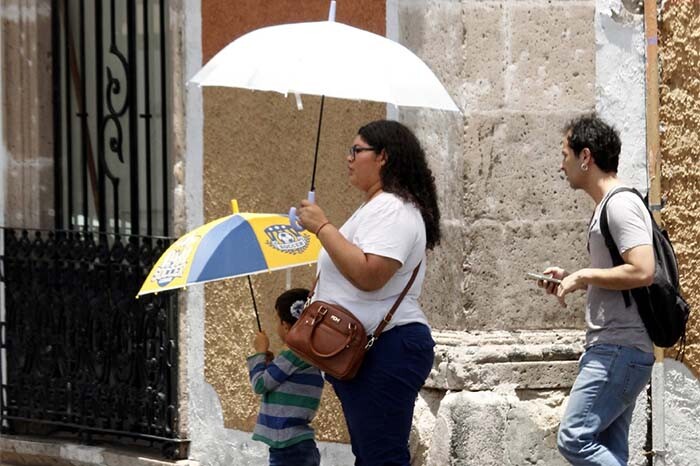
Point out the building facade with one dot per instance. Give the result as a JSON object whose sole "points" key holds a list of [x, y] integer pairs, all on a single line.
{"points": [[123, 153]]}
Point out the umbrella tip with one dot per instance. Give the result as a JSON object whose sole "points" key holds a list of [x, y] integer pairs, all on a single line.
{"points": [[234, 206], [331, 11]]}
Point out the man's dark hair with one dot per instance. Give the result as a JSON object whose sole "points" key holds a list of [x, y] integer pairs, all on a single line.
{"points": [[601, 139], [284, 303]]}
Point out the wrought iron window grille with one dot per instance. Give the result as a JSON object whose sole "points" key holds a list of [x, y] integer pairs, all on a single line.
{"points": [[81, 354]]}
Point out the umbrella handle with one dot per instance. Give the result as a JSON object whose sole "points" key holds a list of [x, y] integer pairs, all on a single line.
{"points": [[293, 219]]}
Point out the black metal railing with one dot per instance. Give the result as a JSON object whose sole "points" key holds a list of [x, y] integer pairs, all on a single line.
{"points": [[82, 354]]}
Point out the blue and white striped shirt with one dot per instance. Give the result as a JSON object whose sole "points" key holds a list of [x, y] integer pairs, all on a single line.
{"points": [[291, 392]]}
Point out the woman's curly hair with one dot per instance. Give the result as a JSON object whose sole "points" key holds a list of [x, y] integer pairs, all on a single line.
{"points": [[406, 173]]}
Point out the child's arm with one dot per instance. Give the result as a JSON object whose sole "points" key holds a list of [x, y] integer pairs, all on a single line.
{"points": [[267, 377]]}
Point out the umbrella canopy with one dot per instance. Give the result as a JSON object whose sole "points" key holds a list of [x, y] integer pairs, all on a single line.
{"points": [[232, 246], [326, 58]]}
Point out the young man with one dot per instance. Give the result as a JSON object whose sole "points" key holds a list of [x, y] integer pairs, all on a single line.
{"points": [[616, 365]]}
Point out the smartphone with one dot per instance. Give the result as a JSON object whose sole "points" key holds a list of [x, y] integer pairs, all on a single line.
{"points": [[539, 276]]}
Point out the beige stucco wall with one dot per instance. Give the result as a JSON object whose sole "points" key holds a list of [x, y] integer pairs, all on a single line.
{"points": [[680, 139], [258, 149]]}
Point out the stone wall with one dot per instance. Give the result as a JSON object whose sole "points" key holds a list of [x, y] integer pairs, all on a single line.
{"points": [[507, 355], [519, 70]]}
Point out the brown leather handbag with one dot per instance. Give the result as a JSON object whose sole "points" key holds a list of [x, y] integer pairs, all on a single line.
{"points": [[331, 338]]}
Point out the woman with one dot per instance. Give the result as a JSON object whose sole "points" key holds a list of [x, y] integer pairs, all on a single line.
{"points": [[364, 266]]}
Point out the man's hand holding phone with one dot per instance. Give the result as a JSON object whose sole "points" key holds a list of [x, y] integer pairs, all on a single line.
{"points": [[540, 277], [549, 279]]}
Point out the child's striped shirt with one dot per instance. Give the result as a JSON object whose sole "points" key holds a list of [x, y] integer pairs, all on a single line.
{"points": [[291, 392]]}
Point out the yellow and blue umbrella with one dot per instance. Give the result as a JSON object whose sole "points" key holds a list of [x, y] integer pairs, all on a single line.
{"points": [[233, 246]]}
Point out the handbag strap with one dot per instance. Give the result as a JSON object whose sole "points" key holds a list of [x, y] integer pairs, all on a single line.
{"points": [[387, 318], [390, 314]]}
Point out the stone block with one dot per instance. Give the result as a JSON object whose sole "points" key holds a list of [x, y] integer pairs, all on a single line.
{"points": [[434, 31], [423, 427], [522, 375], [489, 429], [506, 426], [482, 86], [441, 136], [463, 44], [522, 360], [497, 294], [441, 296], [551, 62], [531, 431], [512, 169]]}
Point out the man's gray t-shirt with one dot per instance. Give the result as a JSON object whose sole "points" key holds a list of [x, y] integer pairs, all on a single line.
{"points": [[607, 318]]}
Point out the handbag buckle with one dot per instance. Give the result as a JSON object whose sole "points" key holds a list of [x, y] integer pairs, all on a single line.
{"points": [[322, 311], [370, 342]]}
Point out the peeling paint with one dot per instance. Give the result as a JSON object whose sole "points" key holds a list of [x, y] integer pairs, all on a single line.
{"points": [[620, 87], [682, 411]]}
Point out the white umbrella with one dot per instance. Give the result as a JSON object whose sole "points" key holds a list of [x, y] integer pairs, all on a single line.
{"points": [[327, 59]]}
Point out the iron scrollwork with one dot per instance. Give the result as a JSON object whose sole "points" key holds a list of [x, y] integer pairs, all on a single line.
{"points": [[82, 353]]}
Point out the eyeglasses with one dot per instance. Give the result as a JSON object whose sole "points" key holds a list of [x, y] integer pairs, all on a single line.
{"points": [[354, 150]]}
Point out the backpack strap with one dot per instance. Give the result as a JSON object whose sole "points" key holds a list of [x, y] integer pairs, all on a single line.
{"points": [[609, 241]]}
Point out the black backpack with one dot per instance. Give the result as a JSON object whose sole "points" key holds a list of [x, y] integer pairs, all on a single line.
{"points": [[661, 306]]}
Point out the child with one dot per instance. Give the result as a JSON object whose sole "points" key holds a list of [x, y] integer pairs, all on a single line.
{"points": [[290, 389]]}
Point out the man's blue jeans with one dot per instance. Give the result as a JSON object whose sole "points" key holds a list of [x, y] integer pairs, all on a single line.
{"points": [[595, 426]]}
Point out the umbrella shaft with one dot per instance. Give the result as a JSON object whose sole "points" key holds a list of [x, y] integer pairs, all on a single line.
{"points": [[255, 305], [318, 140]]}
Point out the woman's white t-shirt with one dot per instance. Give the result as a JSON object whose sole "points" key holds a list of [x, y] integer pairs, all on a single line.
{"points": [[385, 226]]}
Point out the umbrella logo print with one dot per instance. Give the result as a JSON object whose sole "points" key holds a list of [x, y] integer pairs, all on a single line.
{"points": [[173, 265], [285, 239]]}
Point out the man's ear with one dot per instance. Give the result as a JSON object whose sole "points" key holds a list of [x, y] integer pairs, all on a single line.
{"points": [[286, 325], [586, 156]]}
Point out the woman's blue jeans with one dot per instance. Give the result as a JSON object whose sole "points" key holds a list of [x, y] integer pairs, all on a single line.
{"points": [[378, 403], [303, 453], [595, 426]]}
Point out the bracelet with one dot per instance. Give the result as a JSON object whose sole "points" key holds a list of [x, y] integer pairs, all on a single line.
{"points": [[321, 227]]}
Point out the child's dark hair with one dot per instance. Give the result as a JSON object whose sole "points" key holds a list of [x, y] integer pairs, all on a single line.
{"points": [[286, 300]]}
